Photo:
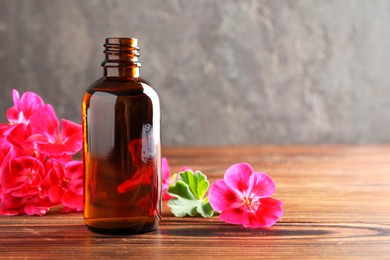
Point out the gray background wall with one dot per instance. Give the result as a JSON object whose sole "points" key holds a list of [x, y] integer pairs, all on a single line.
{"points": [[228, 72]]}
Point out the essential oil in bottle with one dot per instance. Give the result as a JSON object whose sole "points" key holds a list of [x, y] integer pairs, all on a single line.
{"points": [[121, 146]]}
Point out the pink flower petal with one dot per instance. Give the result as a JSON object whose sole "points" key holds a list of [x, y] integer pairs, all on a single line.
{"points": [[166, 176], [52, 144], [11, 206], [19, 137], [73, 200], [75, 173], [45, 121], [24, 107], [28, 103], [239, 216], [165, 195], [38, 206], [234, 216], [62, 159], [261, 185], [15, 96], [12, 115], [22, 176], [71, 136], [55, 194], [221, 196], [32, 209], [74, 169], [269, 212], [54, 173], [237, 176], [166, 172], [49, 149]]}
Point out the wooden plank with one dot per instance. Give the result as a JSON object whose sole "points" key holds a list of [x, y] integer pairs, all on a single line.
{"points": [[337, 205]]}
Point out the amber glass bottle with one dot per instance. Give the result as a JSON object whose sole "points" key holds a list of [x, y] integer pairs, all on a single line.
{"points": [[121, 152]]}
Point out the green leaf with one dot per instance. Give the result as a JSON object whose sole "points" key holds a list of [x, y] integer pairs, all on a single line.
{"points": [[197, 182], [182, 190], [188, 192]]}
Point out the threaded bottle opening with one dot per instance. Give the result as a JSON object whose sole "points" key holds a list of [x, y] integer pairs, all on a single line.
{"points": [[121, 52]]}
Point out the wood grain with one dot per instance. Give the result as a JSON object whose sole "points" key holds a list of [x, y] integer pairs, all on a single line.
{"points": [[337, 205]]}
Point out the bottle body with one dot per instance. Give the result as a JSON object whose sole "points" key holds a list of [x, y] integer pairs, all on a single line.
{"points": [[122, 157]]}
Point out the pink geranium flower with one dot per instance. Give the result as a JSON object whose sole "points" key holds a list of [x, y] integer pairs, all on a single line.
{"points": [[37, 171], [24, 107], [21, 176], [64, 184], [243, 197], [45, 125], [21, 182], [166, 178]]}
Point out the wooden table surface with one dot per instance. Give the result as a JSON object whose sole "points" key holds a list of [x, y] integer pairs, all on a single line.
{"points": [[337, 205]]}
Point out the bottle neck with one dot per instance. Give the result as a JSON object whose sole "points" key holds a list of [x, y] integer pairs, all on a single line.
{"points": [[121, 58], [121, 72]]}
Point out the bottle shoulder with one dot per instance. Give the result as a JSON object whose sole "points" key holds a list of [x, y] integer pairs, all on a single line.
{"points": [[122, 87]]}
